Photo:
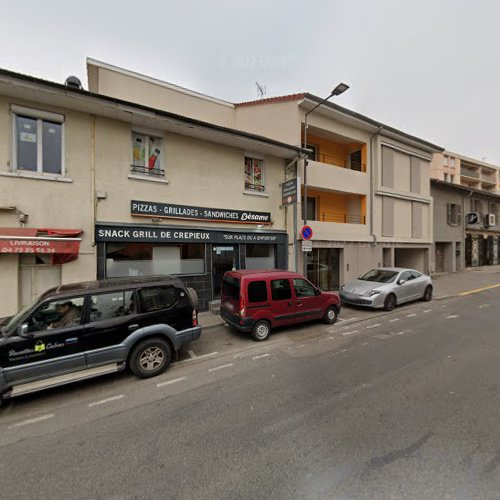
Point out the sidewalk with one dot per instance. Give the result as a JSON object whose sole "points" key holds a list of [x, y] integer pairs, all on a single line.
{"points": [[445, 285]]}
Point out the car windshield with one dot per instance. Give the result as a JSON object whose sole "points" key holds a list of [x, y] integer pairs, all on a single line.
{"points": [[379, 276], [14, 320]]}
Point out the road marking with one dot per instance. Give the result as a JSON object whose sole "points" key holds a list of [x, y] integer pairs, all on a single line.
{"points": [[403, 332], [427, 311], [31, 421], [192, 355], [220, 367], [364, 343], [452, 316], [393, 320], [301, 345], [477, 290], [372, 326], [107, 400], [197, 357], [173, 381], [260, 356], [382, 336], [482, 306], [351, 333], [350, 320], [411, 315]]}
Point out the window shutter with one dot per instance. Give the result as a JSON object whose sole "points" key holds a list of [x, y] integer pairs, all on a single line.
{"points": [[459, 215], [448, 213]]}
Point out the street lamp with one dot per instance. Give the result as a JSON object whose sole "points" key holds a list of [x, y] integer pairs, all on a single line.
{"points": [[339, 89]]}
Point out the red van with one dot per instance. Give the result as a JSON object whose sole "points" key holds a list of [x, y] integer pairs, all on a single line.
{"points": [[256, 301]]}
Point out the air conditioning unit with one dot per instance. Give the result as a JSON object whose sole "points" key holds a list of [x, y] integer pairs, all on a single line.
{"points": [[490, 220]]}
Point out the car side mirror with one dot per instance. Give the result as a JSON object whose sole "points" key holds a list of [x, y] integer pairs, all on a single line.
{"points": [[317, 291], [22, 330], [401, 282]]}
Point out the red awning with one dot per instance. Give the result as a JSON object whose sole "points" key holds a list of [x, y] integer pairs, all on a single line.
{"points": [[26, 241]]}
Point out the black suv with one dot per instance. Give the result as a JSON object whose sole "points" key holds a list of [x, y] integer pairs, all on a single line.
{"points": [[82, 330]]}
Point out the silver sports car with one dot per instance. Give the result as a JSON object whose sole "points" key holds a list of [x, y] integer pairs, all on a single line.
{"points": [[386, 287]]}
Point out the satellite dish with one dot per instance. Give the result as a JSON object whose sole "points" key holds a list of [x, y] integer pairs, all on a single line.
{"points": [[74, 82]]}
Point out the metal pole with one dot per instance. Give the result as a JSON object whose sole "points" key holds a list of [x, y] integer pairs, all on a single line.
{"points": [[304, 203]]}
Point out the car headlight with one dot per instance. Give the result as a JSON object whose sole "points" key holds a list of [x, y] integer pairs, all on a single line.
{"points": [[371, 293]]}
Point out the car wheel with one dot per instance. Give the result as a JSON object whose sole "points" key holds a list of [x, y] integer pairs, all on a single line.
{"points": [[261, 330], [390, 302], [331, 315], [427, 297], [150, 358]]}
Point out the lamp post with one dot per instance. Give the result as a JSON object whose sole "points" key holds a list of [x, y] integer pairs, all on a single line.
{"points": [[339, 89]]}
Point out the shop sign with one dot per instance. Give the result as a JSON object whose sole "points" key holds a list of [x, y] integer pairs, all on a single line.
{"points": [[39, 246], [170, 211], [290, 192], [137, 234]]}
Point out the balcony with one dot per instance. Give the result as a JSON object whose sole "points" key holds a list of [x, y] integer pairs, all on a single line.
{"points": [[336, 161], [469, 172], [341, 218], [333, 231]]}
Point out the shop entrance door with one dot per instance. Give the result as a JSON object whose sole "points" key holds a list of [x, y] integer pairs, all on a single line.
{"points": [[223, 259]]}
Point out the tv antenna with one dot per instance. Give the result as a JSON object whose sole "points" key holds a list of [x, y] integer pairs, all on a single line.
{"points": [[261, 89]]}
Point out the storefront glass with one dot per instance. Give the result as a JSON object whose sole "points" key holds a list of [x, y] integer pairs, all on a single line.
{"points": [[323, 268], [142, 259], [260, 257]]}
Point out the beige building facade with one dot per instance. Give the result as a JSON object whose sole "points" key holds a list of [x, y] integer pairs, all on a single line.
{"points": [[94, 186], [368, 200]]}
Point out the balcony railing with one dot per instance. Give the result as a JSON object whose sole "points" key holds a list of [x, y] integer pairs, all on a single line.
{"points": [[341, 218], [468, 172], [340, 162], [153, 172]]}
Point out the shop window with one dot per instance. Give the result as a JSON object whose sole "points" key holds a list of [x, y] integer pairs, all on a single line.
{"points": [[147, 158], [281, 289], [254, 174], [111, 305], [38, 142], [257, 291], [143, 259], [260, 257], [157, 298]]}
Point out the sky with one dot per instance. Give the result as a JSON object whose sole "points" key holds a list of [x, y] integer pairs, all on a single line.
{"points": [[428, 67]]}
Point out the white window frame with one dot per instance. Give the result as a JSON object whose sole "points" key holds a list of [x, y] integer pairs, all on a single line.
{"points": [[158, 136], [254, 156], [39, 116]]}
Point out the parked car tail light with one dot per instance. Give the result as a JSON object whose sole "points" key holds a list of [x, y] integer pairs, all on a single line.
{"points": [[195, 317], [242, 307]]}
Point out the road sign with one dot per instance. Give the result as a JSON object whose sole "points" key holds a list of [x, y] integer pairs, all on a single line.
{"points": [[290, 192], [306, 232], [307, 246]]}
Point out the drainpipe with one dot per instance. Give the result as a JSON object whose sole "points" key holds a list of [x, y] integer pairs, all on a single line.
{"points": [[372, 185], [92, 178]]}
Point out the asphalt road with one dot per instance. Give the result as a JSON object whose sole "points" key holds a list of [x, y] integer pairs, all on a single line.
{"points": [[403, 405]]}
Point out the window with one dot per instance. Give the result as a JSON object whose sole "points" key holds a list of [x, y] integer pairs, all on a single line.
{"points": [[311, 208], [147, 155], [257, 291], [231, 287], [446, 160], [157, 298], [452, 162], [254, 174], [143, 259], [454, 214], [445, 177], [313, 155], [407, 276], [38, 142], [260, 256], [281, 289], [61, 313], [303, 288], [111, 305], [452, 178], [355, 160]]}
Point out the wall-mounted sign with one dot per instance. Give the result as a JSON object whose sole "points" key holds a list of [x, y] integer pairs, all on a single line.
{"points": [[472, 218], [307, 246], [290, 192], [170, 211], [149, 234]]}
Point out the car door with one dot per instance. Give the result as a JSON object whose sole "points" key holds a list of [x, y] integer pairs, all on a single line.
{"points": [[164, 304], [403, 287], [418, 284], [308, 303], [282, 306], [112, 317], [50, 344]]}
